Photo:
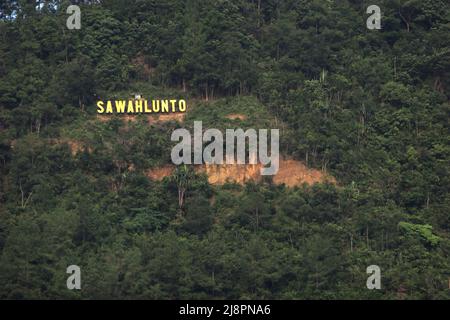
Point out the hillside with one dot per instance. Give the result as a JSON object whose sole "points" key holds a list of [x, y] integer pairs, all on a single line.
{"points": [[364, 172]]}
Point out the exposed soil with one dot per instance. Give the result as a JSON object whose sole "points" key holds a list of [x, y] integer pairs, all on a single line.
{"points": [[236, 116], [75, 146], [160, 173], [291, 173], [151, 119]]}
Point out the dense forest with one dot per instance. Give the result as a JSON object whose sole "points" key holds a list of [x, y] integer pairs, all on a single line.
{"points": [[371, 107]]}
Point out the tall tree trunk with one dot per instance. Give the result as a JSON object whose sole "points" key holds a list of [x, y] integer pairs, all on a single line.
{"points": [[404, 20], [367, 236], [259, 13]]}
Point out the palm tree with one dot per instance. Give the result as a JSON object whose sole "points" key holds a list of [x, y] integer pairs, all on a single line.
{"points": [[182, 177]]}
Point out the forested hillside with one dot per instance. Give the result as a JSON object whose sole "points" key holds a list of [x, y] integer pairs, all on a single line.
{"points": [[368, 107]]}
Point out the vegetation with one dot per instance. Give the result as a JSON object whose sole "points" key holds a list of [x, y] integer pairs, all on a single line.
{"points": [[369, 106]]}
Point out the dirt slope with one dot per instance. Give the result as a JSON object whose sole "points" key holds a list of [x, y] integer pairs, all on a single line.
{"points": [[150, 118], [291, 173]]}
